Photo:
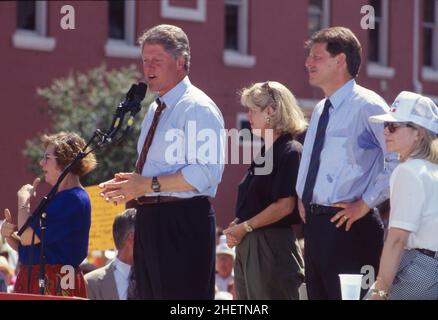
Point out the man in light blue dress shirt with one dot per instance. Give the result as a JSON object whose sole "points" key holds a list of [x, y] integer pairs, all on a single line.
{"points": [[342, 172], [175, 174]]}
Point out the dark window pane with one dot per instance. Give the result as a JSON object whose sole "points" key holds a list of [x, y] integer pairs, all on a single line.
{"points": [[314, 19], [231, 27], [314, 24], [316, 3], [429, 11], [26, 15], [244, 124], [377, 5], [116, 19], [373, 43], [427, 47]]}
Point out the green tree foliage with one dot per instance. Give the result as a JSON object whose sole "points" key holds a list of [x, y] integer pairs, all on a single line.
{"points": [[83, 102]]}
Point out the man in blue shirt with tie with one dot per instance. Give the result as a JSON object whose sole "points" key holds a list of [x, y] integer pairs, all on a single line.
{"points": [[342, 172], [180, 164]]}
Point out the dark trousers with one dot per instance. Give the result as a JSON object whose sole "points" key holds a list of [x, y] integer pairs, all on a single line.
{"points": [[174, 250], [330, 251]]}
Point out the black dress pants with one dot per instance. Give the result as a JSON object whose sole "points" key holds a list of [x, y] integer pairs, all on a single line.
{"points": [[174, 250], [330, 251]]}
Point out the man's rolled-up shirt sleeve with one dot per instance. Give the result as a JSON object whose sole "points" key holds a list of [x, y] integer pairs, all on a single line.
{"points": [[204, 148]]}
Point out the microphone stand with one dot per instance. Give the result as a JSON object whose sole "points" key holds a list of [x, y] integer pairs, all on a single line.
{"points": [[40, 211]]}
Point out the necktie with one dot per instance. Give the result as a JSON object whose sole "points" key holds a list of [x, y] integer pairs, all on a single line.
{"points": [[132, 289], [316, 155], [149, 137], [147, 143]]}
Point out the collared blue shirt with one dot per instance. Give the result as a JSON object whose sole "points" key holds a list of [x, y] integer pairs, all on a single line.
{"points": [[190, 137], [354, 161]]}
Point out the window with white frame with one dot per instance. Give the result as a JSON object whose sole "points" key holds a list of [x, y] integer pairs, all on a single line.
{"points": [[318, 15], [430, 34], [378, 42], [236, 51], [198, 13], [121, 30], [31, 32]]}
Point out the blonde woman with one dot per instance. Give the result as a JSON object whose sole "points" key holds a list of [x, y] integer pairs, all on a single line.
{"points": [[409, 261], [268, 261]]}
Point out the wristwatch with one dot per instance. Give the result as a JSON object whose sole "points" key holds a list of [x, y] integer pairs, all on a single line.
{"points": [[155, 185], [247, 227]]}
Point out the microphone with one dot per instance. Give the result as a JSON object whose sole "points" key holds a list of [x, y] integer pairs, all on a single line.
{"points": [[134, 105], [119, 114]]}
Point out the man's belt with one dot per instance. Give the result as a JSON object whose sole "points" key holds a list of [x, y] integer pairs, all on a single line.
{"points": [[317, 209], [164, 199]]}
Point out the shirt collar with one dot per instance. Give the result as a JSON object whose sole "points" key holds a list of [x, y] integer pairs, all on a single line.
{"points": [[122, 267], [339, 95], [171, 97]]}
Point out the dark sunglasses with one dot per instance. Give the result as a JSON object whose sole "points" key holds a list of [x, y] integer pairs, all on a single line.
{"points": [[269, 89], [392, 126]]}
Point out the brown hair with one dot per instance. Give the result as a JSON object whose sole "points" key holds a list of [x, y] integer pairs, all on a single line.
{"points": [[340, 40], [67, 147]]}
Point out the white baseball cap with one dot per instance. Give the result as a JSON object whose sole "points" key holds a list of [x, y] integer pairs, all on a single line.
{"points": [[412, 107], [223, 248]]}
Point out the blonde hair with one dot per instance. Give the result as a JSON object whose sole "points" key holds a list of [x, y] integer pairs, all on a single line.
{"points": [[426, 147], [287, 116]]}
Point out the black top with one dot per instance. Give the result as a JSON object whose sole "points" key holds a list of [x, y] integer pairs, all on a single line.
{"points": [[257, 192]]}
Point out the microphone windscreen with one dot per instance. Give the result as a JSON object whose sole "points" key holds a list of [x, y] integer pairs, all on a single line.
{"points": [[141, 89], [130, 94]]}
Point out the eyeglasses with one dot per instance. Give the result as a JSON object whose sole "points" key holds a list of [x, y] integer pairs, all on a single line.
{"points": [[47, 156], [270, 91], [393, 126]]}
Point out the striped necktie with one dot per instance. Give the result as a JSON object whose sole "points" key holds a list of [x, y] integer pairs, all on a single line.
{"points": [[150, 136]]}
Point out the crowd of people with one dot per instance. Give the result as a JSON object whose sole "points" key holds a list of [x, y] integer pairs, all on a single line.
{"points": [[332, 174]]}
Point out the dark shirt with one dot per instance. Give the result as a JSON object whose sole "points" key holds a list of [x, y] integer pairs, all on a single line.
{"points": [[257, 192], [68, 226]]}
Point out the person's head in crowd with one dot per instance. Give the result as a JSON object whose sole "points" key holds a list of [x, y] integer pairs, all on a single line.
{"points": [[123, 234], [224, 258], [335, 56], [166, 57], [60, 150], [272, 106], [411, 127]]}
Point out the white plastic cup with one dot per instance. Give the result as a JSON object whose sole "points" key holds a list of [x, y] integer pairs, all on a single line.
{"points": [[350, 286]]}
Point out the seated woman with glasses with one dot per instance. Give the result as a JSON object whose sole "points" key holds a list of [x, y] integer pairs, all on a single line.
{"points": [[67, 224], [268, 262], [409, 262]]}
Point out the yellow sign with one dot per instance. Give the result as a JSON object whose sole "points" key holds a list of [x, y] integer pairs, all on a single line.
{"points": [[102, 218]]}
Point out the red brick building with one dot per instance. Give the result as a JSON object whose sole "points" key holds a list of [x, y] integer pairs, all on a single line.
{"points": [[233, 42]]}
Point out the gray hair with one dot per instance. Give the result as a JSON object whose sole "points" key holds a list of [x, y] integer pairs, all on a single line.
{"points": [[172, 38], [122, 225]]}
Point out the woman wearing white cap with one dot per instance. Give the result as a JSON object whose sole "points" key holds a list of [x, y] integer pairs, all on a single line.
{"points": [[409, 262]]}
